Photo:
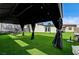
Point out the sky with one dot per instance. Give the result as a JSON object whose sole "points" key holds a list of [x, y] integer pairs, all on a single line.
{"points": [[71, 13]]}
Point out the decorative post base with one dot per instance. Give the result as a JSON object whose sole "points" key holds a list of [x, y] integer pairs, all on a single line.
{"points": [[58, 37], [57, 41]]}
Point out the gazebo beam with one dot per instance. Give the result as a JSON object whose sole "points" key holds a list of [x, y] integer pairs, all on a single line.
{"points": [[13, 9], [24, 10]]}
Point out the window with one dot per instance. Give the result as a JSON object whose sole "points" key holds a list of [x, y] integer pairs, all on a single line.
{"points": [[70, 28], [48, 29], [45, 29], [63, 28]]}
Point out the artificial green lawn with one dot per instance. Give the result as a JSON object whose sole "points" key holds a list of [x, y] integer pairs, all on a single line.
{"points": [[42, 44]]}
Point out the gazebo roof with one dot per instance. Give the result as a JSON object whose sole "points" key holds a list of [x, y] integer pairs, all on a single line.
{"points": [[27, 13]]}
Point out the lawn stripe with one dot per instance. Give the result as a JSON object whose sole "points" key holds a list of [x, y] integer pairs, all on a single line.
{"points": [[21, 43], [13, 37], [19, 35], [46, 35], [35, 51]]}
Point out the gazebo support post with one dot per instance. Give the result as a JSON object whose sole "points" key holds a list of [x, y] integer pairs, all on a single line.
{"points": [[33, 28], [22, 27], [58, 37]]}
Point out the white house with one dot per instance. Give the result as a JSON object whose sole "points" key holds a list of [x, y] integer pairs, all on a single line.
{"points": [[69, 27], [51, 28], [40, 27], [4, 27]]}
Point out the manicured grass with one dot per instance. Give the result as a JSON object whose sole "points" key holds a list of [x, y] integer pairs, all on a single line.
{"points": [[42, 44]]}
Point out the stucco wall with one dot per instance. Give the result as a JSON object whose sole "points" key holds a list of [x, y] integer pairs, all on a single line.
{"points": [[9, 27], [53, 29], [41, 28], [38, 28], [67, 29]]}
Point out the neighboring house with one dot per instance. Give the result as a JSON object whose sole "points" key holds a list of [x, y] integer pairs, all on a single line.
{"points": [[9, 27], [65, 28], [69, 27], [27, 28], [76, 30], [76, 34], [51, 28], [40, 27]]}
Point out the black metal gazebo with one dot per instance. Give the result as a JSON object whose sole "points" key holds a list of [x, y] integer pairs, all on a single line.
{"points": [[32, 13]]}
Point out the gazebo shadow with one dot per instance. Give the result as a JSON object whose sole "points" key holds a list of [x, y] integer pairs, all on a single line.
{"points": [[45, 45], [9, 47], [41, 45]]}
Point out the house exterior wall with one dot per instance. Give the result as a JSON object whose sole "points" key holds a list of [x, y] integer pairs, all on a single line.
{"points": [[9, 27], [41, 28], [6, 27], [26, 28], [38, 28], [53, 29], [68, 30]]}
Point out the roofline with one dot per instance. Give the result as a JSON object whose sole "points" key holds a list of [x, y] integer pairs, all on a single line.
{"points": [[63, 25]]}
